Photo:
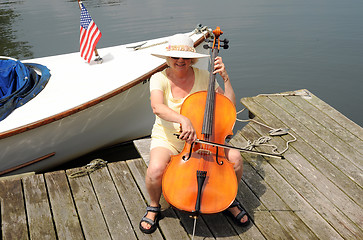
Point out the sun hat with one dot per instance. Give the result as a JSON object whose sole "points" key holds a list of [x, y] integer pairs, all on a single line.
{"points": [[180, 46]]}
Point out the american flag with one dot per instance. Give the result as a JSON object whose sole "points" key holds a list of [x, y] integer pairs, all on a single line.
{"points": [[89, 35]]}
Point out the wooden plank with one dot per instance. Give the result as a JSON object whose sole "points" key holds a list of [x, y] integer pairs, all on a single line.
{"points": [[131, 197], [312, 139], [88, 208], [265, 226], [296, 203], [319, 128], [16, 176], [345, 204], [111, 205], [274, 204], [220, 226], [143, 147], [335, 127], [269, 227], [63, 209], [13, 216], [329, 170], [201, 229], [252, 205], [337, 116], [38, 208], [315, 198], [278, 208]]}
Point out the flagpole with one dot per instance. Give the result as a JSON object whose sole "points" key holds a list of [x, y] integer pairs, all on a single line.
{"points": [[98, 59]]}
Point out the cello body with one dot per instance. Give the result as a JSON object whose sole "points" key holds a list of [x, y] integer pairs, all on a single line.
{"points": [[180, 183]]}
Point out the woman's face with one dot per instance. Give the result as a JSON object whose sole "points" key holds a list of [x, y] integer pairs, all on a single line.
{"points": [[179, 64]]}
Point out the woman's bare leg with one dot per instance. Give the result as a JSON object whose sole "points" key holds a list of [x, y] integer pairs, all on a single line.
{"points": [[159, 159]]}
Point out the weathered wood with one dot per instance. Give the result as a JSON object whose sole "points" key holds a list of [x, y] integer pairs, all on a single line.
{"points": [[305, 189], [337, 116], [112, 208], [143, 147], [38, 208], [88, 208], [13, 216], [297, 204], [320, 128], [329, 123], [315, 141], [17, 176], [340, 200], [220, 226], [132, 199], [201, 231], [332, 214], [278, 208], [63, 209], [252, 205], [332, 172], [273, 204]]}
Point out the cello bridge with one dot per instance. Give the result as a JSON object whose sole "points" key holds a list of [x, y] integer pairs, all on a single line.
{"points": [[203, 152]]}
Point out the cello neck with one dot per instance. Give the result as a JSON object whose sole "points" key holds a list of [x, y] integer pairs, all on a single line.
{"points": [[207, 128]]}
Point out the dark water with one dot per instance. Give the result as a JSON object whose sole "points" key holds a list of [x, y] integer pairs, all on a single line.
{"points": [[275, 45]]}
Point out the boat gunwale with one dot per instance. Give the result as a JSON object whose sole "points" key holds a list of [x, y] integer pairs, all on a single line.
{"points": [[92, 102]]}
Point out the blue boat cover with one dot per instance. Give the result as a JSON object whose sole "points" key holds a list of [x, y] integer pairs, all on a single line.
{"points": [[19, 83]]}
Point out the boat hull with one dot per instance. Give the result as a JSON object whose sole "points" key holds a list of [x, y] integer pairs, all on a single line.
{"points": [[101, 125]]}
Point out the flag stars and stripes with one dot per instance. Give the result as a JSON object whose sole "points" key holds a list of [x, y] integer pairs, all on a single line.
{"points": [[89, 34], [85, 18]]}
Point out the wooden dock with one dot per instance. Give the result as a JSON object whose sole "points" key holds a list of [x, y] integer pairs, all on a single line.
{"points": [[315, 193]]}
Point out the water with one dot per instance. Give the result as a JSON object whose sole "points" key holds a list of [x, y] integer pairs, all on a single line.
{"points": [[275, 45]]}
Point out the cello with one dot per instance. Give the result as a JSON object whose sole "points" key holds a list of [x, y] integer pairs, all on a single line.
{"points": [[200, 179]]}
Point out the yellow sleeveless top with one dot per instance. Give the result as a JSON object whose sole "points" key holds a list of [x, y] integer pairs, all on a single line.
{"points": [[163, 130]]}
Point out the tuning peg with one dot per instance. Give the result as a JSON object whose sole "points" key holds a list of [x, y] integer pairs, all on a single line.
{"points": [[206, 46], [225, 43]]}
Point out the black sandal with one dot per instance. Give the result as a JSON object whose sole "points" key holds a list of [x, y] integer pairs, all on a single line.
{"points": [[153, 224], [237, 219]]}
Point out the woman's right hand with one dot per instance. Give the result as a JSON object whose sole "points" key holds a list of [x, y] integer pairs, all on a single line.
{"points": [[188, 132]]}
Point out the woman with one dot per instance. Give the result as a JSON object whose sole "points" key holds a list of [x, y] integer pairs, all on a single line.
{"points": [[168, 90]]}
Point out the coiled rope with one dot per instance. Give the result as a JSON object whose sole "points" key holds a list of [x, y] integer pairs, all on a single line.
{"points": [[90, 167], [263, 141]]}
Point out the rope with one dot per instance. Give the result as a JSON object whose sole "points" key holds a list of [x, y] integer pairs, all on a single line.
{"points": [[263, 141], [90, 167], [303, 93]]}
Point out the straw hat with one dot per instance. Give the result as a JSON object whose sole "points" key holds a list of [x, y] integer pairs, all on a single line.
{"points": [[180, 46]]}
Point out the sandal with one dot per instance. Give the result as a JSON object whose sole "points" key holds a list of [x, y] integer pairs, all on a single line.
{"points": [[237, 219], [153, 224]]}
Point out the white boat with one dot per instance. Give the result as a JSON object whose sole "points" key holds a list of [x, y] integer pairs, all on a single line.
{"points": [[84, 106]]}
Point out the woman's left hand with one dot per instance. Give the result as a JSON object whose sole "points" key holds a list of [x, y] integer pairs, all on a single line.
{"points": [[220, 68]]}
